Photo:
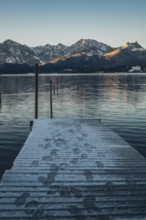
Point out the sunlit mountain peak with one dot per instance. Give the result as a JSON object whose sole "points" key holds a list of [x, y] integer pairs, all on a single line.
{"points": [[132, 45]]}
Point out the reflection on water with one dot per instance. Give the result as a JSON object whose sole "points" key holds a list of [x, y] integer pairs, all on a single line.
{"points": [[0, 102], [118, 100]]}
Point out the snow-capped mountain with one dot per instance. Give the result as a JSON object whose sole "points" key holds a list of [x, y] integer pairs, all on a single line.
{"points": [[122, 58], [128, 54], [88, 47], [85, 55], [133, 46], [13, 52], [49, 52]]}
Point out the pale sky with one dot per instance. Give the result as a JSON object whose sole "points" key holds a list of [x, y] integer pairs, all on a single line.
{"points": [[39, 22]]}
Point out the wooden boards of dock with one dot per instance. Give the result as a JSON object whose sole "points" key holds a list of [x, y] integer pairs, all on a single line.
{"points": [[74, 169]]}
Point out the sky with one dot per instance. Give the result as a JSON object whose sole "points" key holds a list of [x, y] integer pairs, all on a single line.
{"points": [[41, 22]]}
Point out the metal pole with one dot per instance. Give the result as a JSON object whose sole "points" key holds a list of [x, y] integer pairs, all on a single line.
{"points": [[51, 106], [36, 91]]}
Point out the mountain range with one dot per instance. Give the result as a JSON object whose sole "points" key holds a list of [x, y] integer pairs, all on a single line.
{"points": [[85, 55]]}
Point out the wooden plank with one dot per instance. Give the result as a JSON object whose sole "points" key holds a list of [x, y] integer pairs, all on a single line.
{"points": [[74, 169]]}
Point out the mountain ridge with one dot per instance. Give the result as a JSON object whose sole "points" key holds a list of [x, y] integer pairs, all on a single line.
{"points": [[84, 54]]}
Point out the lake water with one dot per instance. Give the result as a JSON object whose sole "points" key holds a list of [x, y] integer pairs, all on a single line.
{"points": [[119, 100]]}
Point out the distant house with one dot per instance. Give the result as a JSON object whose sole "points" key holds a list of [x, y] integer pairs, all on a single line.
{"points": [[134, 69]]}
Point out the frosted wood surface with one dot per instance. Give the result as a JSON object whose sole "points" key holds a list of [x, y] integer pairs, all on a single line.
{"points": [[74, 169]]}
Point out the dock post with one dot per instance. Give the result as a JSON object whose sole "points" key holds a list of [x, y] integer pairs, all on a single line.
{"points": [[36, 91], [51, 106], [31, 125]]}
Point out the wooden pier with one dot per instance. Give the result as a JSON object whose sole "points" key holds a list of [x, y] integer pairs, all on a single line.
{"points": [[74, 170]]}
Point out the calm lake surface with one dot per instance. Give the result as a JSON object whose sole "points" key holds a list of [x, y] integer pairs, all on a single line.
{"points": [[119, 100]]}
